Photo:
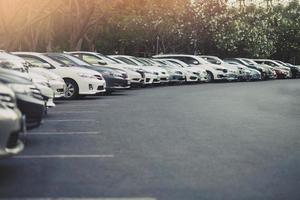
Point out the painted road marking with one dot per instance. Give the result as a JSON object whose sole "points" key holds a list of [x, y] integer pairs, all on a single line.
{"points": [[74, 112], [61, 198], [63, 156], [63, 133], [70, 120]]}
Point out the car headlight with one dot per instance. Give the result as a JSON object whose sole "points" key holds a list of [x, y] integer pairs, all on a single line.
{"points": [[85, 75], [20, 89], [106, 73], [8, 100]]}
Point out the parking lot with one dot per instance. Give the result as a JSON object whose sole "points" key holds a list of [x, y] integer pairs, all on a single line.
{"points": [[205, 141]]}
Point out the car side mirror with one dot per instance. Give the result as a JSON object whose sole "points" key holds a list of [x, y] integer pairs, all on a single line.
{"points": [[47, 66], [102, 62]]}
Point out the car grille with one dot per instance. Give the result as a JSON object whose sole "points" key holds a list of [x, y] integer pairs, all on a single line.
{"points": [[36, 93], [196, 73], [99, 77], [163, 79], [12, 140], [124, 76], [136, 79], [100, 87], [147, 79], [7, 100], [225, 70], [142, 74]]}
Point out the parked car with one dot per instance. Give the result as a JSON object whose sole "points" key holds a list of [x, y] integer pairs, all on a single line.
{"points": [[162, 74], [270, 72], [262, 70], [29, 99], [252, 74], [11, 122], [114, 78], [281, 71], [193, 71], [176, 74], [41, 82], [79, 81], [149, 77], [94, 58], [214, 72], [236, 72], [294, 69]]}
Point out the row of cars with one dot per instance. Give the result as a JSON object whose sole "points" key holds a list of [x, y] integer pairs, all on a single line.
{"points": [[31, 82]]}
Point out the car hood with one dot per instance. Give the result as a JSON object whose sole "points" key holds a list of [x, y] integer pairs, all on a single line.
{"points": [[45, 73], [83, 70], [37, 78]]}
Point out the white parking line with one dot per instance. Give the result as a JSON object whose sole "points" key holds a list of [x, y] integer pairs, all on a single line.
{"points": [[88, 105], [74, 112], [70, 120], [63, 133], [61, 198], [63, 156]]}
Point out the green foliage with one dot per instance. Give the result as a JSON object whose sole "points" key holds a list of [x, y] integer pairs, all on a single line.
{"points": [[145, 27]]}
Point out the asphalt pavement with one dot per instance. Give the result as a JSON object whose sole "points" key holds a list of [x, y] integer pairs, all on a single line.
{"points": [[192, 142]]}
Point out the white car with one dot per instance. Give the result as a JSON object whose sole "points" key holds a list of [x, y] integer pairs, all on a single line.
{"points": [[235, 72], [57, 84], [79, 81], [215, 72], [162, 74], [276, 65], [177, 74], [193, 74], [95, 58], [149, 77]]}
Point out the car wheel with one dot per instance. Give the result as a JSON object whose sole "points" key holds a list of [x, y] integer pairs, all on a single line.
{"points": [[71, 90], [210, 77]]}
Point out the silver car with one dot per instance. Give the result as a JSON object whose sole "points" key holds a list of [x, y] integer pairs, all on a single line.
{"points": [[11, 124]]}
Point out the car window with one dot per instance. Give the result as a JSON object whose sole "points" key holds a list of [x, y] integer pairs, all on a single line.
{"points": [[270, 63], [34, 61], [91, 59], [126, 60], [62, 59], [176, 63], [213, 61]]}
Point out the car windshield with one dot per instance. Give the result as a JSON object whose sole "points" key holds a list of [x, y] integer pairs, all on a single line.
{"points": [[76, 60], [108, 59], [140, 61], [127, 61], [249, 62], [213, 60]]}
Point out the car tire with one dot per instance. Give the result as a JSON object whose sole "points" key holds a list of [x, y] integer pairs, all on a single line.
{"points": [[72, 89], [210, 77]]}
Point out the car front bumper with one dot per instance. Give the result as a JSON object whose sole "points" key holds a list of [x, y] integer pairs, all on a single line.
{"points": [[32, 108], [91, 86], [116, 83], [59, 88]]}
